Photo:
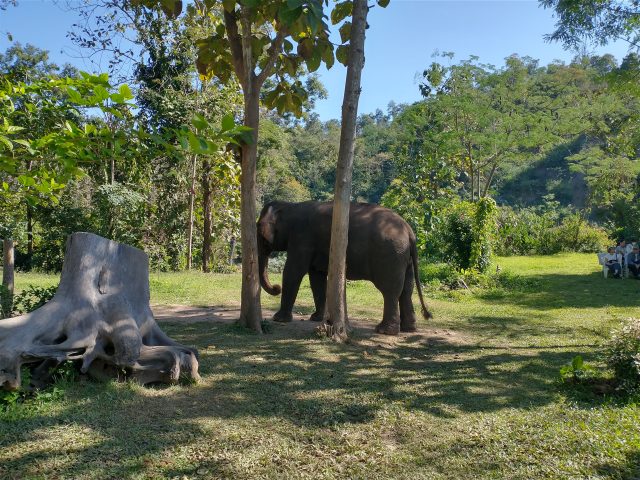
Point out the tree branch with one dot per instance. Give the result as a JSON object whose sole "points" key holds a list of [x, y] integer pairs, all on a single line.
{"points": [[274, 50], [235, 42]]}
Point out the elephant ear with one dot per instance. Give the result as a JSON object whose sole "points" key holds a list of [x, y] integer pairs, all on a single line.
{"points": [[267, 224]]}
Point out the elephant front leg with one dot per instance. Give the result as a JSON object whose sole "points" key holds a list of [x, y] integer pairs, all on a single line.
{"points": [[292, 275], [318, 281]]}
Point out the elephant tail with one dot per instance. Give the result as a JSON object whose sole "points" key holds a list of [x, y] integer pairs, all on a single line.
{"points": [[426, 313]]}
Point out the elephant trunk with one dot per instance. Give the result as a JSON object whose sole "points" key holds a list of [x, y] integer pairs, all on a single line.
{"points": [[263, 263]]}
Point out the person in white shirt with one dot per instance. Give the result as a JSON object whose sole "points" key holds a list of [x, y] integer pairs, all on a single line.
{"points": [[613, 261], [623, 249], [633, 262]]}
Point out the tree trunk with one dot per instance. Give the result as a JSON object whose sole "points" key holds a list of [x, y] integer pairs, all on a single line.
{"points": [[232, 249], [206, 207], [471, 173], [192, 198], [29, 236], [8, 275], [99, 318], [336, 309], [250, 307]]}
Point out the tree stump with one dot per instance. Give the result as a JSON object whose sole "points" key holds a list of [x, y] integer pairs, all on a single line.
{"points": [[99, 317]]}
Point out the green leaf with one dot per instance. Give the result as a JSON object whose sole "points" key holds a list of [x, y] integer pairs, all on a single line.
{"points": [[171, 8], [194, 142], [577, 362], [341, 11], [289, 16], [345, 32], [100, 93], [6, 142], [74, 95], [25, 144], [342, 54], [228, 122], [305, 48], [199, 122], [383, 3], [13, 128], [313, 63], [125, 91], [26, 180]]}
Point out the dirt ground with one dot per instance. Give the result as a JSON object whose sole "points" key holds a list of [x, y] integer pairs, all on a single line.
{"points": [[363, 331]]}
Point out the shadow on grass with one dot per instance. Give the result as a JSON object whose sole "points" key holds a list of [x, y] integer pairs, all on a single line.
{"points": [[630, 469], [298, 381], [571, 291]]}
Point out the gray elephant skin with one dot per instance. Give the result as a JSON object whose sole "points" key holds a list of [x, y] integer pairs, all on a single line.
{"points": [[382, 249]]}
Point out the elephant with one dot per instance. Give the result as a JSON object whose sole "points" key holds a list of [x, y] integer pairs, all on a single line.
{"points": [[381, 248]]}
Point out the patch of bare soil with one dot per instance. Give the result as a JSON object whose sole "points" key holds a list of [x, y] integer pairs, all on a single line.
{"points": [[364, 334]]}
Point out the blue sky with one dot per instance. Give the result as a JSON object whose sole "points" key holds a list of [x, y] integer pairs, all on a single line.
{"points": [[400, 42]]}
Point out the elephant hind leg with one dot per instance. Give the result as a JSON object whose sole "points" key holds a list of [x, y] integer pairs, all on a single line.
{"points": [[407, 313], [390, 324]]}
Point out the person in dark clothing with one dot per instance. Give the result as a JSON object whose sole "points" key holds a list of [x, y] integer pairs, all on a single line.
{"points": [[613, 261], [633, 262]]}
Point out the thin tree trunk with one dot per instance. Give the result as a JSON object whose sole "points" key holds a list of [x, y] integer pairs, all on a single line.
{"points": [[472, 172], [206, 207], [489, 180], [8, 275], [336, 308], [250, 307], [232, 249], [192, 197], [29, 236]]}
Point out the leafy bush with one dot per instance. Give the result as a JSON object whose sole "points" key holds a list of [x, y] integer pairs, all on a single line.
{"points": [[443, 276], [466, 234], [277, 261], [543, 232], [32, 298], [623, 354], [26, 301]]}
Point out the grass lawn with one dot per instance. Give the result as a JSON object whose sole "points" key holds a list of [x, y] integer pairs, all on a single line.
{"points": [[478, 397]]}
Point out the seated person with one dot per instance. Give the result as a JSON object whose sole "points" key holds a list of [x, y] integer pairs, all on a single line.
{"points": [[621, 249], [633, 262], [613, 261]]}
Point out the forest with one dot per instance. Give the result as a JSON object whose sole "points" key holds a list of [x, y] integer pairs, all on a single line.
{"points": [[547, 142]]}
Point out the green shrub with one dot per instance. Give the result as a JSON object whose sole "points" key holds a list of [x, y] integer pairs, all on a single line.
{"points": [[577, 371], [465, 235], [534, 232], [26, 301], [32, 298], [623, 354]]}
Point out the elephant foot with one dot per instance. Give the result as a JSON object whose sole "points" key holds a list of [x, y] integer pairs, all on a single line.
{"points": [[282, 317], [408, 328], [316, 317], [387, 329]]}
